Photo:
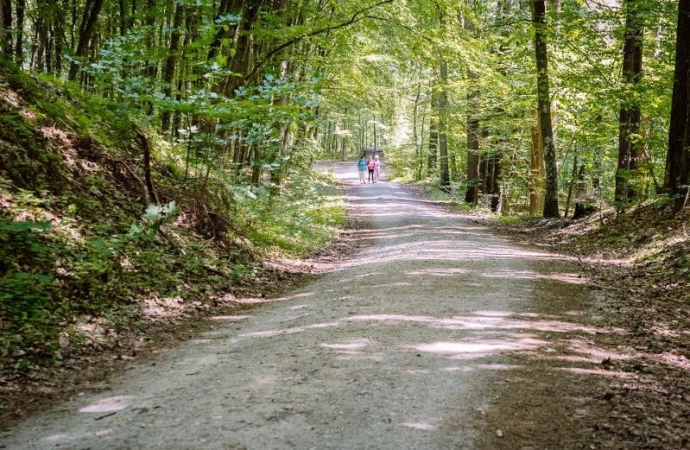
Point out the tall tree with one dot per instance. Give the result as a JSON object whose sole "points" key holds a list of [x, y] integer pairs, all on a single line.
{"points": [[544, 107], [6, 28], [630, 146], [432, 159], [472, 132], [444, 172], [677, 180], [86, 32]]}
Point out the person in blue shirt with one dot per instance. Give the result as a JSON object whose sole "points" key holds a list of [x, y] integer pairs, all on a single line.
{"points": [[362, 165]]}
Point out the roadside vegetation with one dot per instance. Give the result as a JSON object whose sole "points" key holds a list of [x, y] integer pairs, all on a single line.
{"points": [[89, 261]]}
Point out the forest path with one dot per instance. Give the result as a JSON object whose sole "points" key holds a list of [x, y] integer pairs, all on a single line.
{"points": [[399, 347]]}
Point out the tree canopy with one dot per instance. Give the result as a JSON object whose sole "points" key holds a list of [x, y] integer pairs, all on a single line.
{"points": [[524, 106]]}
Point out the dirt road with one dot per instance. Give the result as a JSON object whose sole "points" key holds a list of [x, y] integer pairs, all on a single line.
{"points": [[398, 348]]}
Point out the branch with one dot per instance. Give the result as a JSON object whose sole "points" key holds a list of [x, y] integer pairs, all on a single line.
{"points": [[356, 17]]}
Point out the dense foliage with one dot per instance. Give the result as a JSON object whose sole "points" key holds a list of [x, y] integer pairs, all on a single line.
{"points": [[85, 246], [540, 107]]}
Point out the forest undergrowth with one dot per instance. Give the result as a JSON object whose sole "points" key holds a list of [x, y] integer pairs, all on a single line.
{"points": [[103, 259]]}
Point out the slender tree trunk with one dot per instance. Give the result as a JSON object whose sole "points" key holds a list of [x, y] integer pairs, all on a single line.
{"points": [[238, 63], [433, 133], [19, 43], [59, 40], [677, 179], [630, 146], [415, 133], [444, 172], [171, 62], [472, 127], [544, 106], [86, 32], [6, 28]]}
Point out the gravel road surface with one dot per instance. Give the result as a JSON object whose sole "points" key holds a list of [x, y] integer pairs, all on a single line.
{"points": [[396, 348]]}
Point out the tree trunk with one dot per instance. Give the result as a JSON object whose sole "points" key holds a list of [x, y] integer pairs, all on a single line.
{"points": [[677, 179], [86, 31], [433, 133], [537, 173], [6, 28], [629, 139], [171, 63], [544, 106], [238, 64], [19, 43], [473, 98], [444, 172]]}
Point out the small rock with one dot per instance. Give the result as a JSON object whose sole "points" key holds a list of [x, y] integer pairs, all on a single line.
{"points": [[499, 433]]}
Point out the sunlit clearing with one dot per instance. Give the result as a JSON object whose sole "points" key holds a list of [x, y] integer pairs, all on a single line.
{"points": [[108, 404], [420, 426]]}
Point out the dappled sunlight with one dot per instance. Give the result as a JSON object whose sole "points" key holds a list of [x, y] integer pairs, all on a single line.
{"points": [[109, 404], [57, 437], [229, 318], [272, 333], [596, 354], [484, 347], [444, 251], [257, 300], [356, 344], [473, 367], [569, 278], [294, 296], [598, 372], [155, 306], [484, 321], [439, 272], [420, 426], [673, 360]]}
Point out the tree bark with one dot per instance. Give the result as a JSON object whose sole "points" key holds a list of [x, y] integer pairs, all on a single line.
{"points": [[6, 16], [432, 159], [444, 172], [86, 32], [677, 178], [19, 43], [544, 106], [171, 63], [537, 173], [629, 140]]}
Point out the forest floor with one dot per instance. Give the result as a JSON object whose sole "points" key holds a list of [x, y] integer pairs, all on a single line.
{"points": [[418, 328], [638, 268]]}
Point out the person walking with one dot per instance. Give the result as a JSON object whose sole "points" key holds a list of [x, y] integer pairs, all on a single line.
{"points": [[362, 166], [371, 165], [377, 170]]}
